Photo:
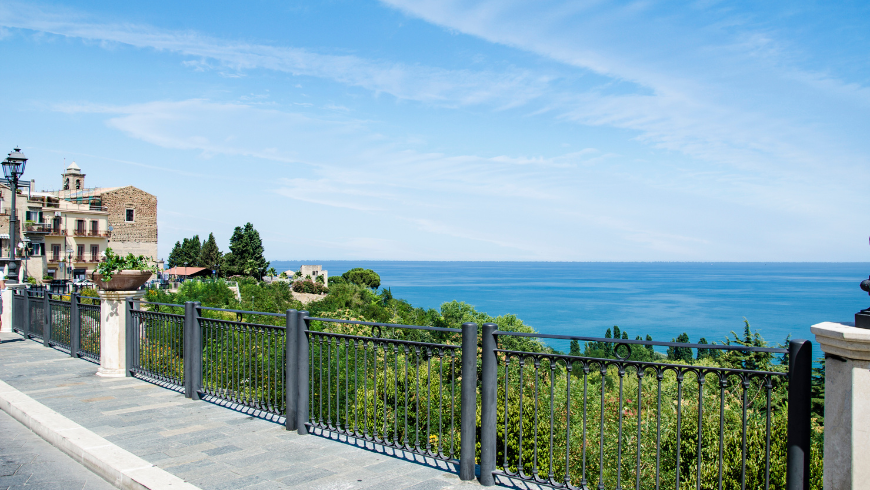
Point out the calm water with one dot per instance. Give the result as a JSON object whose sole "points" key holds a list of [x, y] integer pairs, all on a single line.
{"points": [[660, 299]]}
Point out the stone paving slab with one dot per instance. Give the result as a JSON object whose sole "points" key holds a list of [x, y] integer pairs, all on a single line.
{"points": [[29, 462], [210, 446]]}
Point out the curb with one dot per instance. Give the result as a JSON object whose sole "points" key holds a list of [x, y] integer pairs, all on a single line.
{"points": [[121, 468]]}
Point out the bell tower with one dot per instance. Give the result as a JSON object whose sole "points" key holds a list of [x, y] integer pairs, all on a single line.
{"points": [[73, 178]]}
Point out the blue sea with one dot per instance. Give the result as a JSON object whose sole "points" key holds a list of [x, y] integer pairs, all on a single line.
{"points": [[662, 299]]}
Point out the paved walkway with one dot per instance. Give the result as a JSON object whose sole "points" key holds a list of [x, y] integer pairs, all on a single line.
{"points": [[28, 462], [210, 446]]}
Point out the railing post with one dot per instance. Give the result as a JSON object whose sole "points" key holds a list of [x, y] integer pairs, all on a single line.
{"points": [[488, 407], [46, 319], [27, 326], [291, 359], [800, 358], [468, 402], [75, 326], [192, 351], [302, 326], [130, 338]]}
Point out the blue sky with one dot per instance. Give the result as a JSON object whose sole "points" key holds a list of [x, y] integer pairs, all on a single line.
{"points": [[461, 130]]}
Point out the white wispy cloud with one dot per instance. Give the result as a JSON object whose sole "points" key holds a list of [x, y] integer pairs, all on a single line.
{"points": [[721, 88], [411, 82]]}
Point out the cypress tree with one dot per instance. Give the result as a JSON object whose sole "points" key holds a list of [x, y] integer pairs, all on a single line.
{"points": [[190, 250], [210, 255], [246, 253], [174, 256], [575, 348]]}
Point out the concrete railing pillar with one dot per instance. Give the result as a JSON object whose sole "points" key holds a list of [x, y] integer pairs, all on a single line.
{"points": [[847, 404], [113, 332], [6, 309]]}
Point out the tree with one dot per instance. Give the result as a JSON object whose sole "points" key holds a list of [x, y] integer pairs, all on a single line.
{"points": [[186, 253], [246, 253], [174, 256], [210, 255], [575, 348], [363, 277], [680, 353], [649, 347]]}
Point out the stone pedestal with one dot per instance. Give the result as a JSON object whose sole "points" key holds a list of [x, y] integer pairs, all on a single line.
{"points": [[847, 404], [113, 332], [6, 310]]}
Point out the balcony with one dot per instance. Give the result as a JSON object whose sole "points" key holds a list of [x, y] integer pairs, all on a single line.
{"points": [[81, 232], [98, 233], [37, 228], [57, 231], [94, 258], [54, 258], [80, 258]]}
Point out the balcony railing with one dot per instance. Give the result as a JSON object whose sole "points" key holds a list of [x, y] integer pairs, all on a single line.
{"points": [[95, 258], [98, 233], [54, 258], [57, 231], [80, 232], [38, 228], [80, 258]]}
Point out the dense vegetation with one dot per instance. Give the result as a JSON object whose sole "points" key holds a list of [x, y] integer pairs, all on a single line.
{"points": [[603, 394]]}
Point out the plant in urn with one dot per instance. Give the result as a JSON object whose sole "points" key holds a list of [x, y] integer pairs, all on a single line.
{"points": [[116, 273]]}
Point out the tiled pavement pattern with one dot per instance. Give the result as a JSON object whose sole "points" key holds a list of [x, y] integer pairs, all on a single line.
{"points": [[28, 462], [210, 446]]}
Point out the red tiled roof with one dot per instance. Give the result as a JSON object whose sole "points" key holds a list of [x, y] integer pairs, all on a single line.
{"points": [[184, 271]]}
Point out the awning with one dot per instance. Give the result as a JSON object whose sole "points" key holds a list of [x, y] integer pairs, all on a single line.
{"points": [[4, 236]]}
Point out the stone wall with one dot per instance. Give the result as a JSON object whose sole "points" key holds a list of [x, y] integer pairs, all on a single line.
{"points": [[140, 235]]}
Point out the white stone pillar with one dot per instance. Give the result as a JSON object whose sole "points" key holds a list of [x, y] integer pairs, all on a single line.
{"points": [[6, 310], [113, 332], [847, 404]]}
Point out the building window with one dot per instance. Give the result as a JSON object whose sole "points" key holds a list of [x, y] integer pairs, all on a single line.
{"points": [[66, 184], [80, 226], [95, 253], [95, 228], [80, 253], [35, 249], [129, 217], [55, 253], [78, 184]]}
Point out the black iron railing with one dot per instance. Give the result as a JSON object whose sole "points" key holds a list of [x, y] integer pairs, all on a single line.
{"points": [[88, 316], [157, 344], [72, 325], [60, 318], [374, 386], [36, 314], [583, 422], [244, 363], [623, 417], [19, 304]]}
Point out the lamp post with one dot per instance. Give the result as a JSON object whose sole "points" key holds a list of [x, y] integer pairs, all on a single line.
{"points": [[69, 263], [13, 168]]}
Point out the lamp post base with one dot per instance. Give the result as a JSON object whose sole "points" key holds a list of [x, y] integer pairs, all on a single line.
{"points": [[862, 319]]}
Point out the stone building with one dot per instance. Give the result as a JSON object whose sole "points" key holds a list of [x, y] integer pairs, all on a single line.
{"points": [[313, 271], [65, 232]]}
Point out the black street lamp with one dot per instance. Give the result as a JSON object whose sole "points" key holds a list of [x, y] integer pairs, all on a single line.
{"points": [[13, 168]]}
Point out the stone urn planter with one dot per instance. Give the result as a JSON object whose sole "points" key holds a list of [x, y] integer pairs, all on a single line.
{"points": [[127, 280]]}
